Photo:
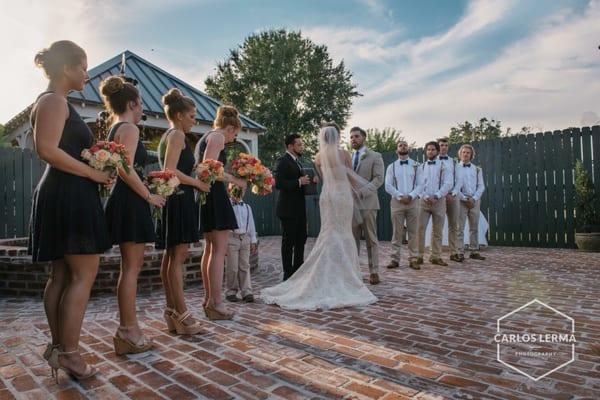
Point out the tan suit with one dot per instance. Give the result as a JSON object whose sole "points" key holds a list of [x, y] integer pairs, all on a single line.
{"points": [[371, 168]]}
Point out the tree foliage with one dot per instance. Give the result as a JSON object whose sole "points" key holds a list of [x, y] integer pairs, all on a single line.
{"points": [[586, 207], [287, 83], [466, 132]]}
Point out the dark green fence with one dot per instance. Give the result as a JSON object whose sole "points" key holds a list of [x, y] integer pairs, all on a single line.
{"points": [[529, 197]]}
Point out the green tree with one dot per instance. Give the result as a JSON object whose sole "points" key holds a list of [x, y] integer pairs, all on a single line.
{"points": [[469, 132], [287, 83], [383, 141], [586, 201], [3, 139]]}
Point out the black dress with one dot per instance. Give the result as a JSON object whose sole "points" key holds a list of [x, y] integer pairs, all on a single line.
{"points": [[127, 214], [66, 212], [217, 213], [179, 222]]}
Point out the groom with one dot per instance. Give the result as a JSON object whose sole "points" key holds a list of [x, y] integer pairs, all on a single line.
{"points": [[369, 165], [290, 180]]}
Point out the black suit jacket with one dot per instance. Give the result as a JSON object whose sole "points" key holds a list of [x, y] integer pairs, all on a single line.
{"points": [[291, 203]]}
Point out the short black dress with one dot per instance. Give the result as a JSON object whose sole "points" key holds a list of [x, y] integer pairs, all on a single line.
{"points": [[179, 222], [66, 213], [128, 215], [217, 213]]}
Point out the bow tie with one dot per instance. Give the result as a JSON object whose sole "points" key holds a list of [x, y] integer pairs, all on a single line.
{"points": [[403, 162], [431, 162], [241, 203], [443, 157], [467, 165]]}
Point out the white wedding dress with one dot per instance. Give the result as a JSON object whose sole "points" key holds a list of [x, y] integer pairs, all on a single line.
{"points": [[330, 276]]}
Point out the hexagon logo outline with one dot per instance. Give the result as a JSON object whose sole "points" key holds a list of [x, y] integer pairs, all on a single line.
{"points": [[498, 358]]}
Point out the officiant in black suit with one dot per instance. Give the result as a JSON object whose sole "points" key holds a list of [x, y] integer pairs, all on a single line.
{"points": [[291, 181]]}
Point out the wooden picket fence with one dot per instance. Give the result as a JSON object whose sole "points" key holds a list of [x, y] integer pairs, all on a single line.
{"points": [[529, 197]]}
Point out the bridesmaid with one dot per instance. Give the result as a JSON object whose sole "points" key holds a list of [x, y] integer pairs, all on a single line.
{"points": [[217, 216], [179, 225], [127, 211], [67, 225]]}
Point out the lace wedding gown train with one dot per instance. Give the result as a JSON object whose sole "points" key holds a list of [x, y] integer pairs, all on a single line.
{"points": [[330, 276]]}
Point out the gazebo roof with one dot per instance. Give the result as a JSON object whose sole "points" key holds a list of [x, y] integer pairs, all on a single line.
{"points": [[153, 83]]}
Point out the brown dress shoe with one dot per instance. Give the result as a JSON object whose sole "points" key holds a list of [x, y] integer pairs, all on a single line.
{"points": [[438, 261], [374, 279], [456, 257], [476, 256], [414, 264], [419, 260], [393, 264]]}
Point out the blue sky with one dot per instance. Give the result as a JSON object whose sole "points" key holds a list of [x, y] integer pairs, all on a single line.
{"points": [[422, 66]]}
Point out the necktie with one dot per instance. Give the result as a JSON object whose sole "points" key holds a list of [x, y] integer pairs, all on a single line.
{"points": [[355, 162], [443, 157], [403, 162], [431, 162], [467, 165]]}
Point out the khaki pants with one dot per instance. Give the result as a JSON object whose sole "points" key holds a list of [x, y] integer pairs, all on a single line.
{"points": [[453, 211], [437, 212], [369, 229], [473, 215], [404, 214], [237, 274]]}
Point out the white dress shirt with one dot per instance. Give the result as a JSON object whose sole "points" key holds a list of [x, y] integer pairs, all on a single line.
{"points": [[450, 169], [469, 180], [245, 220], [401, 179], [433, 180]]}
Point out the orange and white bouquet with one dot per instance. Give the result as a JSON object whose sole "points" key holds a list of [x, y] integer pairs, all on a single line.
{"points": [[107, 156], [209, 171], [163, 183], [251, 169]]}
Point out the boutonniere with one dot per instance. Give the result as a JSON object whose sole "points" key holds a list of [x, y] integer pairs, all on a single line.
{"points": [[364, 155]]}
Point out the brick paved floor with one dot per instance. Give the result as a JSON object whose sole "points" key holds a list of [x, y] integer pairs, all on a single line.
{"points": [[430, 336]]}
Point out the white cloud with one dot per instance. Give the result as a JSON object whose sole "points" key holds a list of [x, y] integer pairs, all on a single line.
{"points": [[547, 80]]}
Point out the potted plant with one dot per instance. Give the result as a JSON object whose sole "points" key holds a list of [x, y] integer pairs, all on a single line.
{"points": [[587, 211]]}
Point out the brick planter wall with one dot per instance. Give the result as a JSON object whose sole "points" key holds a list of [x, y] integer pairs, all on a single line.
{"points": [[20, 277]]}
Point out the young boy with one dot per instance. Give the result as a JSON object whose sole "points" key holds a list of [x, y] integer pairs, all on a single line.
{"points": [[242, 242]]}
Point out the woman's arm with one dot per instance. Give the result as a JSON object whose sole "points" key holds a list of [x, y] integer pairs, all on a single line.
{"points": [[175, 144], [50, 116], [215, 143], [128, 135]]}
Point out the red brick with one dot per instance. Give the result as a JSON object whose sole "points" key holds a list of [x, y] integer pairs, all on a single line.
{"points": [[124, 383], [462, 382], [369, 391], [257, 379], [177, 392], [189, 380], [229, 367], [70, 394], [23, 383], [288, 393], [214, 392], [221, 378], [153, 379]]}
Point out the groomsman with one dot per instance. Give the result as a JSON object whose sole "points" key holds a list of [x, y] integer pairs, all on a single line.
{"points": [[434, 184], [471, 188], [401, 184], [452, 206], [369, 165]]}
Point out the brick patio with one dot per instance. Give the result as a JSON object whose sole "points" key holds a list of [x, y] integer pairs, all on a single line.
{"points": [[430, 336]]}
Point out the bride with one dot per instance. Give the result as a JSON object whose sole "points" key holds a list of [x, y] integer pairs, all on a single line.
{"points": [[330, 277]]}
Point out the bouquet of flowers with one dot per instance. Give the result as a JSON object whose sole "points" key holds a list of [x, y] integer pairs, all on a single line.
{"points": [[251, 169], [106, 156], [209, 171], [163, 183]]}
